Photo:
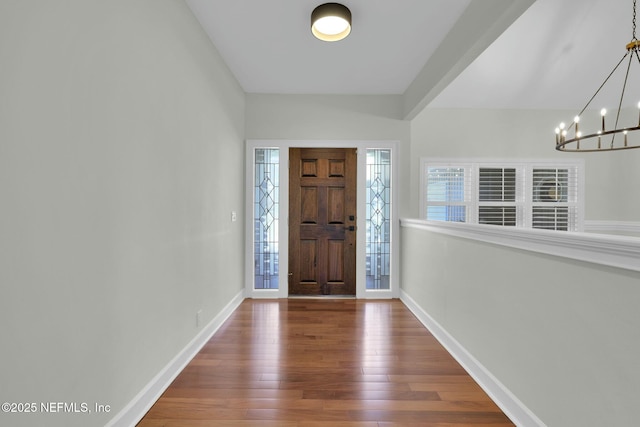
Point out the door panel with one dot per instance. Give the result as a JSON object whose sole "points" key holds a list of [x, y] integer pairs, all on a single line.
{"points": [[322, 208], [336, 266], [309, 205], [308, 260], [336, 205]]}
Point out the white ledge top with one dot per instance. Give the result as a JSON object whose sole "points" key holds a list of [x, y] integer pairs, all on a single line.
{"points": [[605, 249]]}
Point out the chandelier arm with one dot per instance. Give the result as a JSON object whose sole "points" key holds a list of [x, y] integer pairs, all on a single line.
{"points": [[624, 87], [602, 85]]}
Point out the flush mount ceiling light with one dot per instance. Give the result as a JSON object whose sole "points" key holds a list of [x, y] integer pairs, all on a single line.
{"points": [[595, 141], [331, 22]]}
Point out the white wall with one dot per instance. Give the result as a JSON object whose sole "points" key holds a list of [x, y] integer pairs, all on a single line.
{"points": [[609, 177], [121, 145], [332, 117], [560, 334]]}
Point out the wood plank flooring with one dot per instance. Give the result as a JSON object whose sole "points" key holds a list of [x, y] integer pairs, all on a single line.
{"points": [[323, 363]]}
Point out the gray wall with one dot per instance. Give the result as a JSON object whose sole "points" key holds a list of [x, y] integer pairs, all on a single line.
{"points": [[610, 178], [561, 335], [333, 117], [121, 145]]}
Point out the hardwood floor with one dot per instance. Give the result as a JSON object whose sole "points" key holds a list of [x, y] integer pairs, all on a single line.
{"points": [[317, 362]]}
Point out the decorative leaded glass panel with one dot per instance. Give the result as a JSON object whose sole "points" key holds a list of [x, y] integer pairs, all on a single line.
{"points": [[266, 215], [378, 218]]}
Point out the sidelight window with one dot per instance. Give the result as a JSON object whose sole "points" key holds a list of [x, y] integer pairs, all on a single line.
{"points": [[378, 218], [266, 217]]}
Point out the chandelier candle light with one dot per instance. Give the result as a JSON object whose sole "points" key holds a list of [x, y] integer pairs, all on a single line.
{"points": [[563, 143]]}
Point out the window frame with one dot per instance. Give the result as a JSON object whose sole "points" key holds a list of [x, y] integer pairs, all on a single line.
{"points": [[524, 202]]}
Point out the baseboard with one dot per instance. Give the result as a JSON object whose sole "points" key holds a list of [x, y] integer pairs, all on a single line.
{"points": [[131, 414], [510, 405]]}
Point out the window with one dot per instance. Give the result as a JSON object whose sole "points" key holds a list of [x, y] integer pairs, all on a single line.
{"points": [[266, 218], [447, 193], [497, 196], [378, 218], [535, 194], [551, 209]]}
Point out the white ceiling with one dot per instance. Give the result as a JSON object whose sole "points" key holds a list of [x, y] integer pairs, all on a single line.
{"points": [[555, 55], [269, 46]]}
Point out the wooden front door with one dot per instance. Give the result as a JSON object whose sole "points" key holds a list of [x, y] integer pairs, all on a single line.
{"points": [[322, 221]]}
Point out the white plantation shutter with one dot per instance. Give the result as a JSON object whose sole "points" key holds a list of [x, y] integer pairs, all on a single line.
{"points": [[497, 215], [554, 218], [554, 198], [448, 193], [497, 185], [545, 195], [497, 196]]}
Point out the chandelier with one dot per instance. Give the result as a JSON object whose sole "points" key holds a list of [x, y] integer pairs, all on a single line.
{"points": [[569, 138]]}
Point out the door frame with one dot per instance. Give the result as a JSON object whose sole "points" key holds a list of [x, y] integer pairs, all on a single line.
{"points": [[283, 230]]}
